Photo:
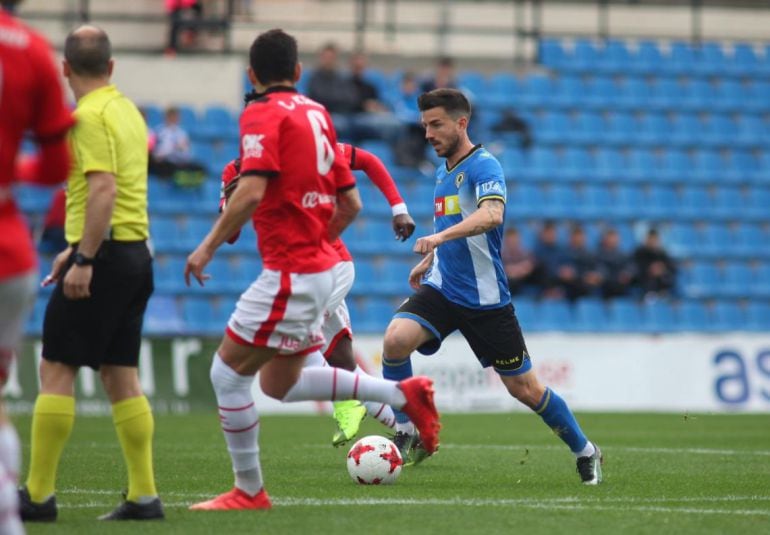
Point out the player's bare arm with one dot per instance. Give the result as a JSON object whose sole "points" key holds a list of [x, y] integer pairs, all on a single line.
{"points": [[415, 276], [348, 206], [244, 200], [99, 206], [488, 216]]}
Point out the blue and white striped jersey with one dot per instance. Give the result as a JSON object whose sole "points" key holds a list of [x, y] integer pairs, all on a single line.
{"points": [[469, 271]]}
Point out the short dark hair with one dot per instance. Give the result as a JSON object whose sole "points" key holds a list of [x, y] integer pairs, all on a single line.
{"points": [[273, 56], [453, 101], [88, 52]]}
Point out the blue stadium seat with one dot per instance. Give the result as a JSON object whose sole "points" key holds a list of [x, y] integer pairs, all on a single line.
{"points": [[701, 280], [661, 202], [667, 93], [654, 129], [393, 276], [587, 129], [163, 316], [569, 92], [720, 131], [551, 53], [526, 313], [188, 120], [761, 176], [615, 58], [752, 132], [624, 316], [713, 61], [590, 315], [730, 95], [610, 165], [760, 286], [747, 240], [686, 130], [635, 94], [716, 240], [758, 316], [648, 58], [576, 165], [621, 129], [560, 202], [596, 202], [33, 199], [736, 281], [371, 315], [153, 115], [541, 164], [642, 166], [628, 202], [502, 90], [745, 61], [601, 93], [163, 233], [553, 128], [741, 167], [728, 316], [217, 123], [692, 315], [658, 317], [536, 91], [525, 201], [676, 166], [682, 59], [169, 274], [707, 166], [554, 316], [681, 239], [204, 316], [728, 203], [585, 57], [759, 96]]}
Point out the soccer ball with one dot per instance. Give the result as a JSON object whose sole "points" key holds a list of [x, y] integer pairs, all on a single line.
{"points": [[374, 460]]}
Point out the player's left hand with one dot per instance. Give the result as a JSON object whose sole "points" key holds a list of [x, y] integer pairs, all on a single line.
{"points": [[427, 244], [77, 282], [196, 263], [403, 226]]}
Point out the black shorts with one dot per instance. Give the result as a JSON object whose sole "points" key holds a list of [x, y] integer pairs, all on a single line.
{"points": [[493, 334], [105, 328]]}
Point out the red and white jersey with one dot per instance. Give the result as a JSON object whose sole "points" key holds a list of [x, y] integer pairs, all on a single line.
{"points": [[31, 98], [291, 139]]}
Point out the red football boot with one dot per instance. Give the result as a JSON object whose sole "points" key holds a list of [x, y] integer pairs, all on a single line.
{"points": [[235, 500], [421, 410]]}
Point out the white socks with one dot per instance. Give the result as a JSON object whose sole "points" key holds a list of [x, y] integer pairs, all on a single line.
{"points": [[334, 384], [587, 451], [381, 412], [240, 424], [10, 523]]}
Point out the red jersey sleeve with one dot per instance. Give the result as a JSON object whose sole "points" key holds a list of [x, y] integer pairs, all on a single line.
{"points": [[361, 160], [343, 177], [229, 172], [52, 116], [260, 141]]}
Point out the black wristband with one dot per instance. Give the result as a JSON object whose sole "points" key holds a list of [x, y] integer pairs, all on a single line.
{"points": [[82, 260]]}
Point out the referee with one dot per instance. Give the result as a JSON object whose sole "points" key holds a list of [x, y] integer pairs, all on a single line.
{"points": [[103, 282]]}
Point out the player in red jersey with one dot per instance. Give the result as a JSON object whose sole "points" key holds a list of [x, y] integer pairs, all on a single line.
{"points": [[31, 99], [338, 333], [299, 196]]}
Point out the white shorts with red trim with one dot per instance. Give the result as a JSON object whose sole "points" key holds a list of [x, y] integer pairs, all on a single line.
{"points": [[17, 297], [284, 311], [337, 318]]}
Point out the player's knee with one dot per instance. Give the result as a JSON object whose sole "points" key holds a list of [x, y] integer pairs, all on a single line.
{"points": [[524, 388], [342, 355], [120, 382], [274, 389], [398, 343]]}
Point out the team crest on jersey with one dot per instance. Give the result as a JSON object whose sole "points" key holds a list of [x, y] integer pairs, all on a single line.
{"points": [[459, 179], [252, 145]]}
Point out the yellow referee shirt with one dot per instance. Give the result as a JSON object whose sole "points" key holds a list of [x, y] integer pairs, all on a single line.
{"points": [[110, 135]]}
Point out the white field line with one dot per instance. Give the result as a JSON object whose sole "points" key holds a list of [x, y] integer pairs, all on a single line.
{"points": [[694, 451], [543, 505]]}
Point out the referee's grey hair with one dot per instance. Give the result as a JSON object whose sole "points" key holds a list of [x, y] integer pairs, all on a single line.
{"points": [[88, 51]]}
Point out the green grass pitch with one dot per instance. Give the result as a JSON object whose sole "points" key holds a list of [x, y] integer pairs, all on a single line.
{"points": [[502, 473]]}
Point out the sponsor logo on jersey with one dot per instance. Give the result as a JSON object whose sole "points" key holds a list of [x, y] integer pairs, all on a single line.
{"points": [[449, 205], [252, 145], [311, 199], [459, 179], [490, 188]]}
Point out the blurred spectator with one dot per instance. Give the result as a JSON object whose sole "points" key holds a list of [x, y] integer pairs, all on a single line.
{"points": [[550, 257], [615, 265], [410, 147], [519, 264], [171, 156], [443, 77], [579, 274], [177, 11], [327, 86], [52, 238], [656, 270], [510, 122], [371, 117]]}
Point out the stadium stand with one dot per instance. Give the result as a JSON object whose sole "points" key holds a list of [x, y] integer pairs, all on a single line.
{"points": [[626, 134]]}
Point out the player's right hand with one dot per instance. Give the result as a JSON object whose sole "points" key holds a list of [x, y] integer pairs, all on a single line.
{"points": [[196, 263], [415, 276], [57, 268]]}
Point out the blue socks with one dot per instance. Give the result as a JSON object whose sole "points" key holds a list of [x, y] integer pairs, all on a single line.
{"points": [[555, 413], [397, 370]]}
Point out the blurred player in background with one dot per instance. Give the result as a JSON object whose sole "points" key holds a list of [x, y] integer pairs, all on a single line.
{"points": [[338, 333], [104, 280], [31, 99], [300, 196], [461, 285]]}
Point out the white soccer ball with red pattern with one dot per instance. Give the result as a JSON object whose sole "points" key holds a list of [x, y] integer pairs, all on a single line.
{"points": [[374, 460]]}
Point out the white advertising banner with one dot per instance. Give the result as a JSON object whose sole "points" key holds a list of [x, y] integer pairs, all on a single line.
{"points": [[678, 373]]}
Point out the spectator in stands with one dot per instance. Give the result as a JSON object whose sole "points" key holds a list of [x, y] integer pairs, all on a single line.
{"points": [[511, 122], [328, 86], [443, 77], [409, 148], [615, 265], [550, 257], [579, 274], [171, 156], [371, 117], [177, 10], [656, 270], [519, 263]]}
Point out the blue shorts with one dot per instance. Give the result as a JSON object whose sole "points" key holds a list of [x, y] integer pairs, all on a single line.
{"points": [[493, 334]]}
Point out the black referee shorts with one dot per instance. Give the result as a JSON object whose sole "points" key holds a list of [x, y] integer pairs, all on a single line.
{"points": [[105, 328], [493, 334]]}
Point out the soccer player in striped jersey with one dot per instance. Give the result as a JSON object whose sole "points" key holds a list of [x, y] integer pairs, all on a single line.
{"points": [[338, 333], [460, 283]]}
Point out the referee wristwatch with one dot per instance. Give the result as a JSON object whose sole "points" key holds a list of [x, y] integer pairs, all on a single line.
{"points": [[83, 260]]}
